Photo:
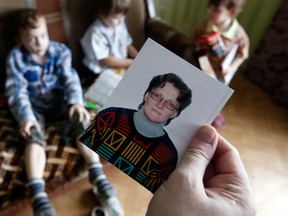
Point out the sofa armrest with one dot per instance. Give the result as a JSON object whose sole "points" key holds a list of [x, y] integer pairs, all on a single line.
{"points": [[170, 38]]}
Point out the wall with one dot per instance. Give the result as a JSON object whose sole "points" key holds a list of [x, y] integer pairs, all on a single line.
{"points": [[51, 9]]}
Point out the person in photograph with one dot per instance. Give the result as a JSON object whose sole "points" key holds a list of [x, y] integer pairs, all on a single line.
{"points": [[135, 141]]}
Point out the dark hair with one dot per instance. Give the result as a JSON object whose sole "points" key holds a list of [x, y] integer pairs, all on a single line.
{"points": [[105, 7], [185, 95], [230, 4], [25, 18]]}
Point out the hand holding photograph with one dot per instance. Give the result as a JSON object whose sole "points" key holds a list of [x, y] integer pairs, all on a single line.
{"points": [[146, 124]]}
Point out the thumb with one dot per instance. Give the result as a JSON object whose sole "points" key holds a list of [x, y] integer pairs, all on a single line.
{"points": [[199, 153]]}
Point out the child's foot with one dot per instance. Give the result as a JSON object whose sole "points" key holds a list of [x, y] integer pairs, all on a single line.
{"points": [[42, 206], [98, 178], [39, 198], [48, 211], [111, 205]]}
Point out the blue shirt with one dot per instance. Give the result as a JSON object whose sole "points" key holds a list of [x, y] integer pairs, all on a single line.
{"points": [[27, 78]]}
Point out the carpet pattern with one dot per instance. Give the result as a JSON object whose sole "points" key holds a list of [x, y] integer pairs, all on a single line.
{"points": [[268, 66], [64, 163]]}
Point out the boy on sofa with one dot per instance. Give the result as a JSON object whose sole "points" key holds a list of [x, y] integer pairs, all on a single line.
{"points": [[42, 86]]}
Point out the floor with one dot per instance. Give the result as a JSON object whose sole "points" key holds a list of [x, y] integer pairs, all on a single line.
{"points": [[254, 124], [259, 129]]}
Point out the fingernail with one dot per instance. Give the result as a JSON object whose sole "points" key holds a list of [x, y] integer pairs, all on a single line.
{"points": [[206, 135]]}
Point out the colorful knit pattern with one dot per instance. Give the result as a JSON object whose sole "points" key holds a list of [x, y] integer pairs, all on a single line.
{"points": [[113, 136]]}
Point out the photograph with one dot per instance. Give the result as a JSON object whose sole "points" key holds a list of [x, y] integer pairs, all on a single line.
{"points": [[145, 126]]}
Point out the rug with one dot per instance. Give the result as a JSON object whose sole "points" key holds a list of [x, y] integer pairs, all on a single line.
{"points": [[19, 206]]}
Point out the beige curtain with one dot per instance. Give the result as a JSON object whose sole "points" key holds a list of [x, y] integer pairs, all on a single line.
{"points": [[185, 15]]}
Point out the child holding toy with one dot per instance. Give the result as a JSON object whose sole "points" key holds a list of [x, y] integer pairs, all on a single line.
{"points": [[223, 42]]}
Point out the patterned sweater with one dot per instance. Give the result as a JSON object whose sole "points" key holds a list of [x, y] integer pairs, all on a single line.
{"points": [[113, 136]]}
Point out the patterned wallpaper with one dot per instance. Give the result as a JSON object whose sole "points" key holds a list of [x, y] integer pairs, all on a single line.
{"points": [[268, 66]]}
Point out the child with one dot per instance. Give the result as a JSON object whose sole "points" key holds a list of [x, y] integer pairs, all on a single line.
{"points": [[107, 42], [224, 38], [42, 86], [222, 20]]}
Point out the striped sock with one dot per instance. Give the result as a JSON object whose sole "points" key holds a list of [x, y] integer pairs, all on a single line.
{"points": [[40, 202], [98, 178]]}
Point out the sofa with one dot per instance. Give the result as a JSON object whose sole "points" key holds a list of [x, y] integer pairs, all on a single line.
{"points": [[64, 163]]}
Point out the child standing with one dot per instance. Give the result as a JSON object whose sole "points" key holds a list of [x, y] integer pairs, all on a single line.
{"points": [[42, 86], [225, 38], [107, 42]]}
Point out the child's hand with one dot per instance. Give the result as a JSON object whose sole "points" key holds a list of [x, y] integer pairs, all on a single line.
{"points": [[83, 114], [25, 129], [225, 71]]}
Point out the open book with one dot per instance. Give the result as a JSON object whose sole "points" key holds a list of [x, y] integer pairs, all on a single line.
{"points": [[103, 86]]}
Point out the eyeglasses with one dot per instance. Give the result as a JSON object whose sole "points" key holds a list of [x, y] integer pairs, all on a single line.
{"points": [[168, 104]]}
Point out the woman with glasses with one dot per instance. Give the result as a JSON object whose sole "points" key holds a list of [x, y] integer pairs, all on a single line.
{"points": [[135, 140]]}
